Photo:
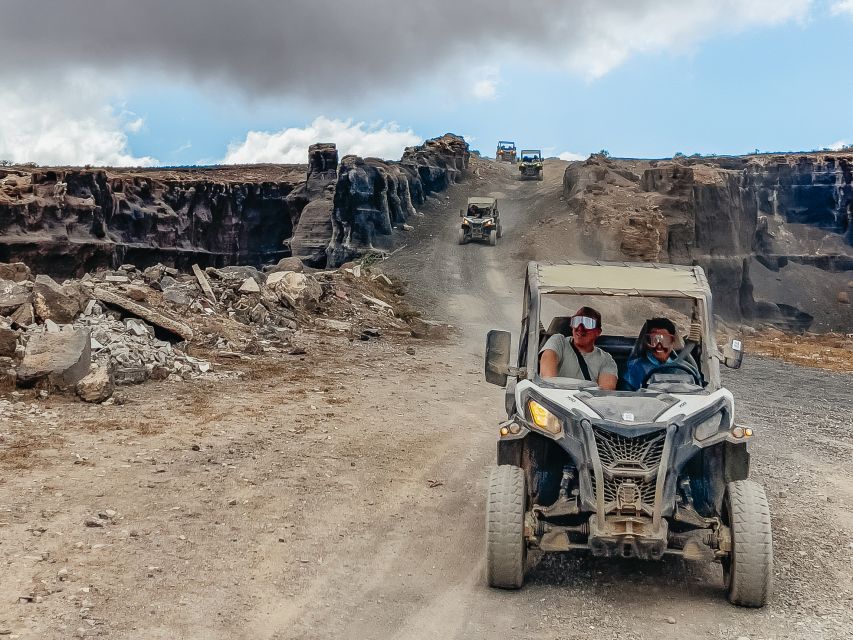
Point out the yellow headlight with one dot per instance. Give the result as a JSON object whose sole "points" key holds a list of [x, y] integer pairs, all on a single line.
{"points": [[543, 418]]}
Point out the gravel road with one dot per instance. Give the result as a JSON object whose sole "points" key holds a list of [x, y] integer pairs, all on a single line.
{"points": [[340, 494]]}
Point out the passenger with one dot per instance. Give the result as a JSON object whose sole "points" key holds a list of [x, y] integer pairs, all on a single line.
{"points": [[560, 356], [657, 351]]}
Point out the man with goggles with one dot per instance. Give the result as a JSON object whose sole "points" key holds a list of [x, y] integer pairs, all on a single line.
{"points": [[578, 357], [658, 350]]}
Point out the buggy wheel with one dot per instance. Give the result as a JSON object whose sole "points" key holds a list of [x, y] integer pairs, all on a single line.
{"points": [[506, 549], [493, 237], [541, 177], [748, 571], [462, 236], [500, 231]]}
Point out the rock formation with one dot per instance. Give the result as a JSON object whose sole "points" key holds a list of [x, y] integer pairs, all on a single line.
{"points": [[741, 219], [373, 196], [69, 221]]}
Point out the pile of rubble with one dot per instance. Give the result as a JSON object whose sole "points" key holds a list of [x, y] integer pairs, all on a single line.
{"points": [[130, 325]]}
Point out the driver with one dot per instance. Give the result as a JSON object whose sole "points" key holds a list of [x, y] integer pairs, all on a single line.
{"points": [[560, 356], [658, 351]]}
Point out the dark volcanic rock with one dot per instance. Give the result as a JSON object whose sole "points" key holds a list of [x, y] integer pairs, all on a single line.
{"points": [[68, 221], [373, 196]]}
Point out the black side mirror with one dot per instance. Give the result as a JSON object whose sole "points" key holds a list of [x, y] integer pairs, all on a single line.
{"points": [[733, 354], [498, 344]]}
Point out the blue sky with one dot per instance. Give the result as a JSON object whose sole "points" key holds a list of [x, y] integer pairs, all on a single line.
{"points": [[774, 83]]}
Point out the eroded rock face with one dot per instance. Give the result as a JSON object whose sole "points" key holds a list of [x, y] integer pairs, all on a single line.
{"points": [[373, 196], [68, 221], [741, 219]]}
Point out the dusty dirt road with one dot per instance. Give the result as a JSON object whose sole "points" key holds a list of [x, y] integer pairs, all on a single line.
{"points": [[340, 494]]}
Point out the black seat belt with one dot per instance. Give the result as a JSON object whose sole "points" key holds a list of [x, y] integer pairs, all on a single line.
{"points": [[581, 362]]}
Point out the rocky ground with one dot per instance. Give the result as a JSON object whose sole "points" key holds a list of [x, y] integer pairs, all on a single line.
{"points": [[330, 483]]}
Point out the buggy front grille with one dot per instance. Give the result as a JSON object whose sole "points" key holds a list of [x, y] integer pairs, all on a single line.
{"points": [[629, 461]]}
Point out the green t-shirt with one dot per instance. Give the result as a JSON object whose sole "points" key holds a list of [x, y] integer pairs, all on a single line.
{"points": [[597, 361]]}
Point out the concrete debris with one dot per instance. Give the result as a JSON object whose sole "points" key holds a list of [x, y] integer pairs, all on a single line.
{"points": [[127, 326], [156, 318], [14, 272], [62, 358], [249, 285], [298, 290], [336, 325], [8, 342], [97, 386], [204, 283], [53, 302], [421, 328]]}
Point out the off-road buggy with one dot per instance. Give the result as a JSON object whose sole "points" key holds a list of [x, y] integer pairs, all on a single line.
{"points": [[530, 165], [506, 151], [642, 474], [480, 221]]}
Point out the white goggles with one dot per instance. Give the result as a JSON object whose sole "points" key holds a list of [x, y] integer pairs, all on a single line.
{"points": [[584, 321]]}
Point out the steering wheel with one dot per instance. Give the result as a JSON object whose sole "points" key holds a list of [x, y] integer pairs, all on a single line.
{"points": [[674, 366]]}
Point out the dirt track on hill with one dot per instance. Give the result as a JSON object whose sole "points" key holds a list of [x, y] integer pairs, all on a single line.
{"points": [[340, 494]]}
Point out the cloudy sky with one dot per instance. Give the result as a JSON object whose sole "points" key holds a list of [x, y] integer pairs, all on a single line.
{"points": [[148, 82]]}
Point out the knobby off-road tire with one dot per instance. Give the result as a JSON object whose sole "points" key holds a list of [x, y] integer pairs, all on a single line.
{"points": [[461, 236], [506, 550], [500, 231], [749, 570], [493, 237]]}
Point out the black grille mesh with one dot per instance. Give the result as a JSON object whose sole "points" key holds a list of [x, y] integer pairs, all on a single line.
{"points": [[640, 454]]}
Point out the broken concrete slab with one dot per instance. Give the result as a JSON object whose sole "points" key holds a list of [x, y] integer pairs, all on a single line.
{"points": [[52, 302], [379, 304], [421, 328], [12, 296], [156, 318], [97, 386], [336, 325], [63, 358], [204, 283], [24, 316], [250, 285]]}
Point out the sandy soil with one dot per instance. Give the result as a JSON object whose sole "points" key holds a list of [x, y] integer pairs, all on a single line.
{"points": [[340, 493]]}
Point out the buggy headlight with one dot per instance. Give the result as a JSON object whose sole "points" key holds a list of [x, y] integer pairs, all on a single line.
{"points": [[709, 426], [543, 418]]}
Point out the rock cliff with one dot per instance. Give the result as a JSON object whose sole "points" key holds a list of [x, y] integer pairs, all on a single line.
{"points": [[773, 232], [67, 221], [373, 196]]}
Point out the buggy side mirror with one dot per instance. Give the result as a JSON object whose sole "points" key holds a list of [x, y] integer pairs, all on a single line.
{"points": [[498, 344], [733, 354]]}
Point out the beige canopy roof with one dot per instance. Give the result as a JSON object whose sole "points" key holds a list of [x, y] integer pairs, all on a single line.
{"points": [[481, 201], [621, 278]]}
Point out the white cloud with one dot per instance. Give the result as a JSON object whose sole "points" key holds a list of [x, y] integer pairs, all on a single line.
{"points": [[290, 146], [838, 145], [571, 157], [135, 126], [842, 6], [69, 123], [612, 33], [485, 89]]}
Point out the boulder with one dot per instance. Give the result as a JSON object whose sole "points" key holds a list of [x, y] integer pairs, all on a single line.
{"points": [[12, 296], [298, 290], [843, 297], [63, 358], [52, 302], [24, 316], [421, 328], [8, 342], [288, 264], [97, 386], [14, 271]]}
